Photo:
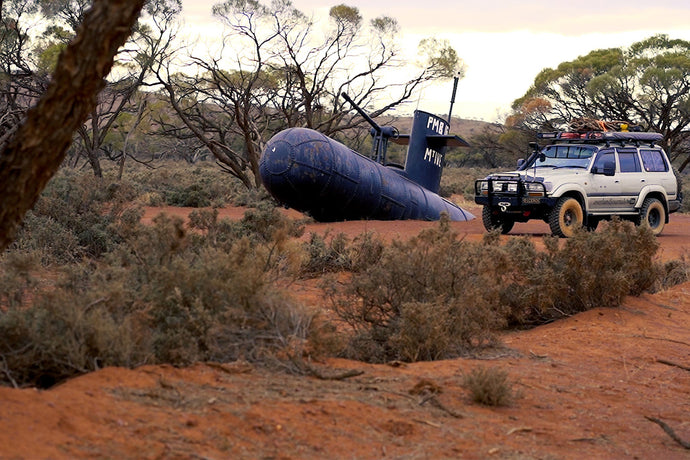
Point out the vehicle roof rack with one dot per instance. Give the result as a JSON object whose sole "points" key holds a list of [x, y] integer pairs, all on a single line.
{"points": [[601, 136], [590, 131]]}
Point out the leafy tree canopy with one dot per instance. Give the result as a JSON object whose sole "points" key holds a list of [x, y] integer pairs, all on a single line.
{"points": [[647, 83]]}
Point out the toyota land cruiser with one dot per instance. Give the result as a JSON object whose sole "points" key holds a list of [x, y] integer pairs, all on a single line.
{"points": [[582, 178]]}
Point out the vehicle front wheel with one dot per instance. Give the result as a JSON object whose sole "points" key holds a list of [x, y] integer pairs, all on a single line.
{"points": [[653, 214], [493, 219], [566, 217]]}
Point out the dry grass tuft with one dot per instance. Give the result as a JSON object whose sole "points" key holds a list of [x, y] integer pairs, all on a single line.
{"points": [[489, 386]]}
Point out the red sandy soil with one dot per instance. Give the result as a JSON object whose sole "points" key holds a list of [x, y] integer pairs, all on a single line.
{"points": [[586, 387]]}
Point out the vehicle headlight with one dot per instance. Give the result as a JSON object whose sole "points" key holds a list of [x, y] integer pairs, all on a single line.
{"points": [[534, 188], [512, 187]]}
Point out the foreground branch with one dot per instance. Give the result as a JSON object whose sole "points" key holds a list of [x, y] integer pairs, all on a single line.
{"points": [[38, 148], [669, 431], [671, 363]]}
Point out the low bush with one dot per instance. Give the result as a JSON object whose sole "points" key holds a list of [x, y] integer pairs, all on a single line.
{"points": [[65, 333], [161, 295], [17, 278], [326, 254], [192, 196], [266, 223], [427, 298], [175, 183], [436, 296], [591, 269], [74, 218], [675, 272], [460, 181], [489, 386], [122, 293]]}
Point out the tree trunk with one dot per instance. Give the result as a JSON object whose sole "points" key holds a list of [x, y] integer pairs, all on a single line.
{"points": [[95, 163], [38, 148]]}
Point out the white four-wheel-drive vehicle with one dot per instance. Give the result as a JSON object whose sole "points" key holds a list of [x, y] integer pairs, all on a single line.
{"points": [[582, 178]]}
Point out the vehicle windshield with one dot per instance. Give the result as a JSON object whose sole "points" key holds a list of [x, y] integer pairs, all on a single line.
{"points": [[562, 156]]}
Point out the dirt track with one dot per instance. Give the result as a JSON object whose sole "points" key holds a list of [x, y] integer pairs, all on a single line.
{"points": [[587, 385]]}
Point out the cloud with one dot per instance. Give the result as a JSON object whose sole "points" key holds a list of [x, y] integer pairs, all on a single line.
{"points": [[504, 43], [563, 20], [562, 17]]}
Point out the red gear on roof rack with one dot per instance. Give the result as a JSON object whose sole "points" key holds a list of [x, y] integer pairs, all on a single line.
{"points": [[588, 125]]}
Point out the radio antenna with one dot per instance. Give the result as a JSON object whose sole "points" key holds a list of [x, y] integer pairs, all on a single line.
{"points": [[452, 98]]}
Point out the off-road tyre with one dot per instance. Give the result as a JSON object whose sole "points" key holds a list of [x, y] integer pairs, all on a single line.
{"points": [[493, 219], [566, 217], [653, 214]]}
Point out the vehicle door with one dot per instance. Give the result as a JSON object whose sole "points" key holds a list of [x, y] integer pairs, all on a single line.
{"points": [[632, 178], [604, 188]]}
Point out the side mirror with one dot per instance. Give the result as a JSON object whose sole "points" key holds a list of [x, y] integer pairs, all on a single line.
{"points": [[609, 168], [534, 146], [520, 163]]}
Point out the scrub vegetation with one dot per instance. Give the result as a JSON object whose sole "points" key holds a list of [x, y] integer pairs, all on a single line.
{"points": [[88, 285]]}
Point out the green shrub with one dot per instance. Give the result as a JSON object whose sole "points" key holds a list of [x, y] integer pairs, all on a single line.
{"points": [[326, 256], [435, 296], [460, 181], [428, 285], [266, 222], [251, 197], [181, 184], [17, 278], [190, 196], [161, 295], [73, 218], [591, 269], [52, 240], [66, 332]]}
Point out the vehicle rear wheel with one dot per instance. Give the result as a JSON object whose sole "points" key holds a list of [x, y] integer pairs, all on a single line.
{"points": [[653, 214], [566, 217], [493, 219]]}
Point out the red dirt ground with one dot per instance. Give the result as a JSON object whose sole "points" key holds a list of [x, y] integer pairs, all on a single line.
{"points": [[585, 386]]}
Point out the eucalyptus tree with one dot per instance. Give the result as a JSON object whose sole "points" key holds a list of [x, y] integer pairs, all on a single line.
{"points": [[278, 68], [647, 83], [18, 86], [151, 38], [34, 32]]}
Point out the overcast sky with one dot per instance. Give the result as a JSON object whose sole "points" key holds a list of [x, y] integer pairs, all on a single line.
{"points": [[504, 44]]}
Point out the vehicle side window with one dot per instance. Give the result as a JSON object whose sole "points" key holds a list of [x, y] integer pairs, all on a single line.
{"points": [[629, 161], [653, 160], [602, 157]]}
